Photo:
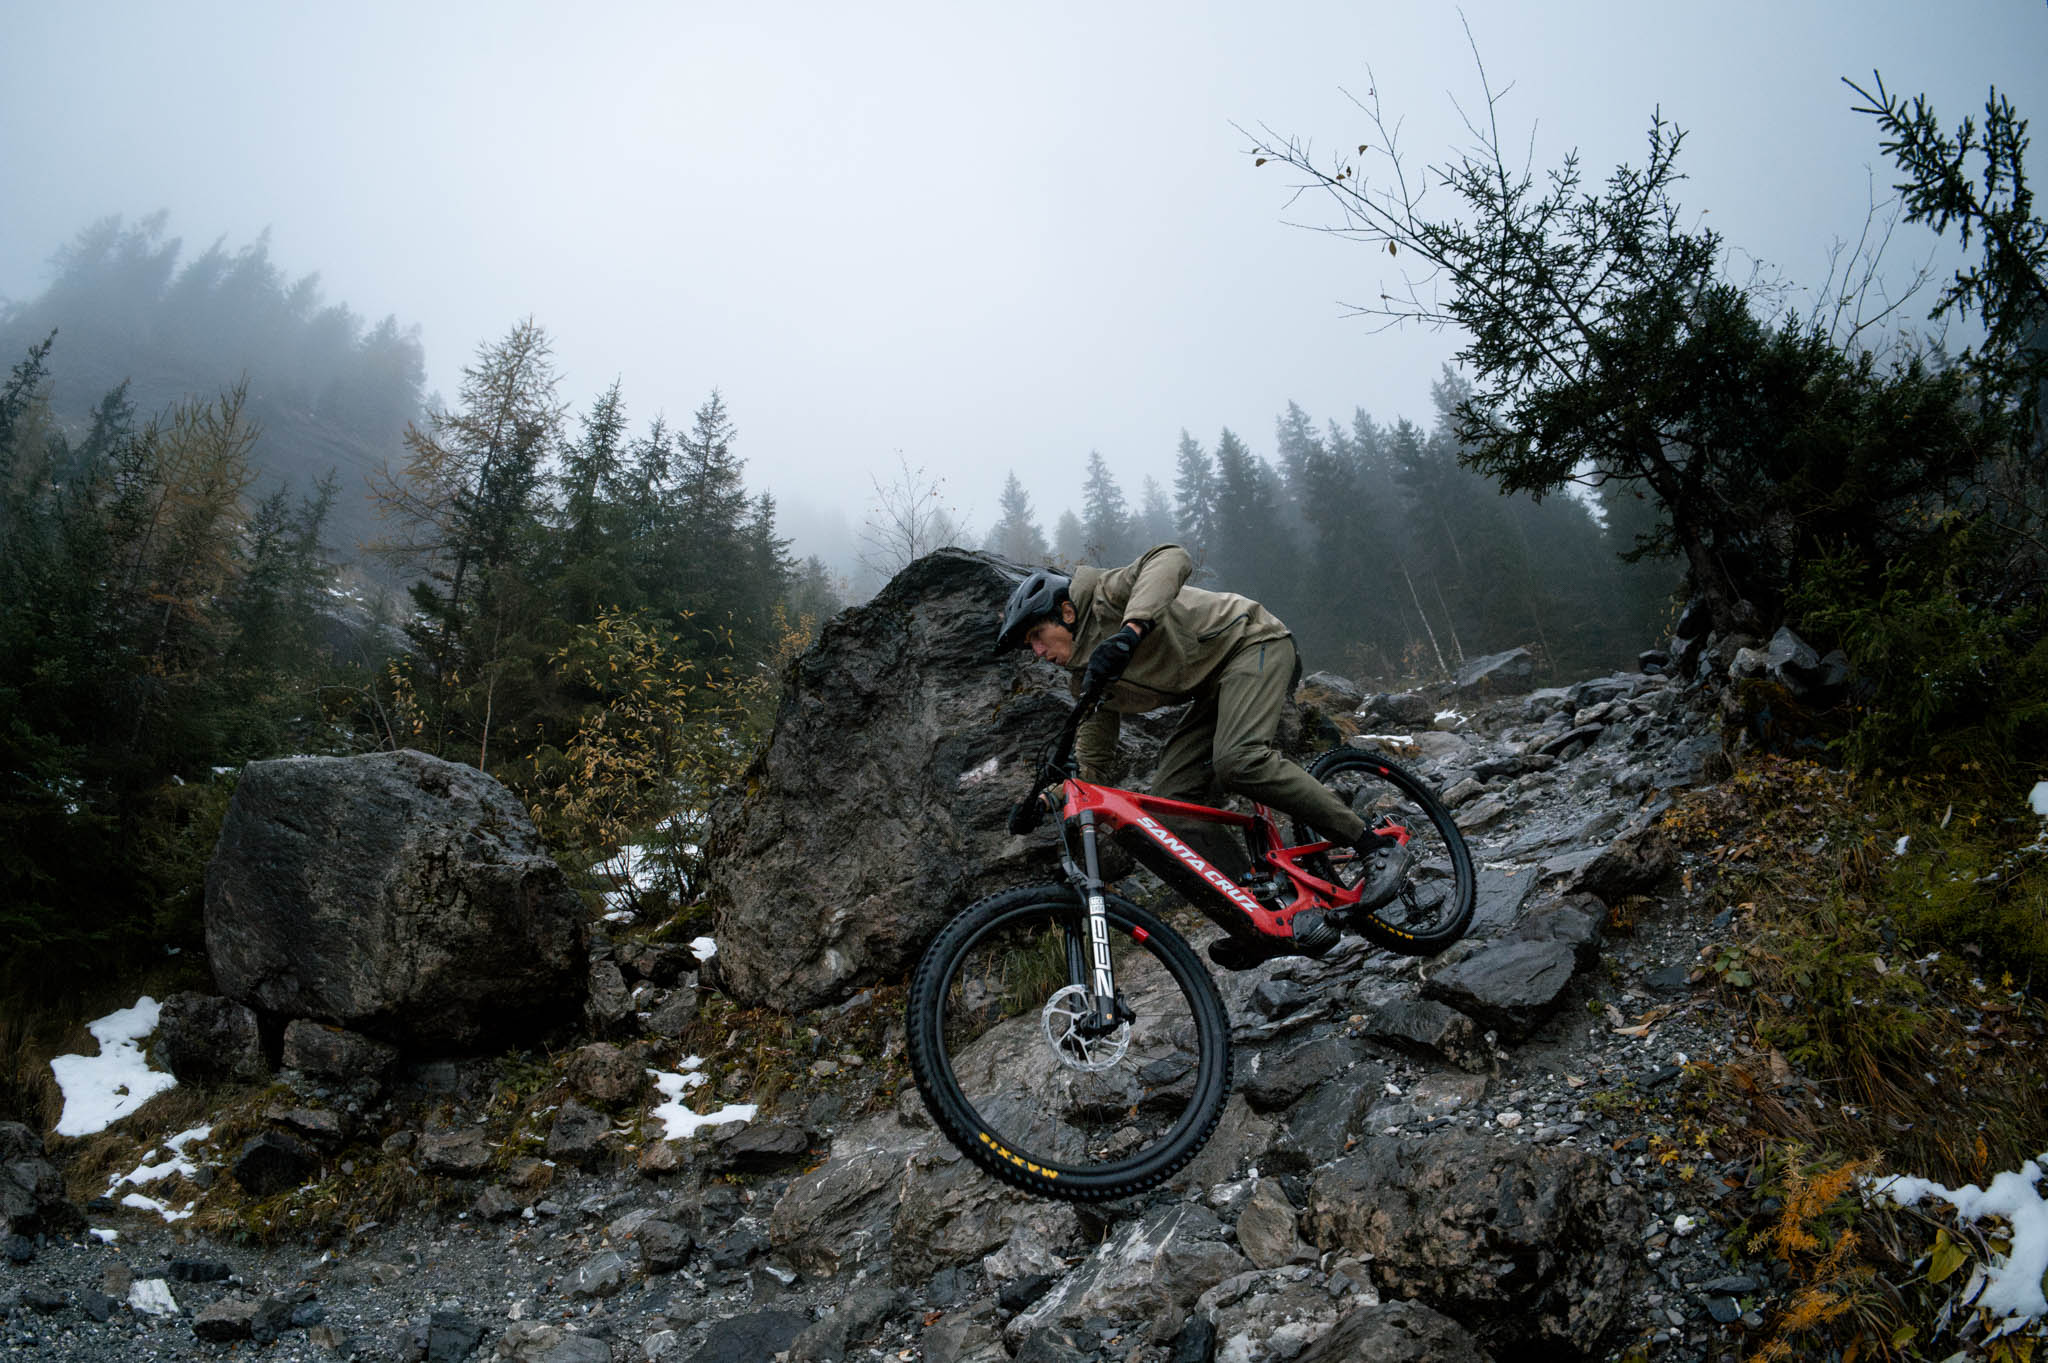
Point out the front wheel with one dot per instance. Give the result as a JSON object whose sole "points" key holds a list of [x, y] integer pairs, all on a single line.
{"points": [[1433, 905], [1010, 1072]]}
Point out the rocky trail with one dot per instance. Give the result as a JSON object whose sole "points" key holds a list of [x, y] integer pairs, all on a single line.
{"points": [[1489, 1154]]}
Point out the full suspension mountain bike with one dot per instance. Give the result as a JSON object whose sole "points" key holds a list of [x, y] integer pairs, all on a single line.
{"points": [[1072, 1043]]}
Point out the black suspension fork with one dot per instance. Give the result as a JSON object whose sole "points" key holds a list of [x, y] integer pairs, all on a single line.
{"points": [[1088, 961]]}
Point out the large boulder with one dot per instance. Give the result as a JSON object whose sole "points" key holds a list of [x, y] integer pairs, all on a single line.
{"points": [[397, 895], [1529, 1246], [880, 802]]}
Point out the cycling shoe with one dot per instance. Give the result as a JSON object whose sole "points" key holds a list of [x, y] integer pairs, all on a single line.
{"points": [[1386, 867]]}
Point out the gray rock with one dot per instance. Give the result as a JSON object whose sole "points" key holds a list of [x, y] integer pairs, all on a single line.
{"points": [[224, 1321], [659, 963], [578, 1132], [336, 1055], [32, 1198], [898, 722], [1397, 1332], [1513, 987], [674, 1014], [837, 1217], [451, 1337], [1278, 1077], [1242, 1139], [532, 1341], [608, 1003], [1340, 688], [764, 1146], [1529, 1246], [205, 1039], [323, 1126], [334, 891], [496, 1203], [951, 1214], [1268, 1230], [964, 1336], [1497, 674], [1575, 920], [1317, 1127], [601, 1276], [463, 1154], [1432, 1030], [1636, 859], [664, 1244], [605, 1074], [1402, 709], [1572, 741], [857, 1319], [1498, 898], [274, 1161], [1265, 1315], [1481, 814], [1150, 1270], [752, 1338]]}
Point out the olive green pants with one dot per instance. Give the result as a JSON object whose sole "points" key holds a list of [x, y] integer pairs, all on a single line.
{"points": [[1225, 743]]}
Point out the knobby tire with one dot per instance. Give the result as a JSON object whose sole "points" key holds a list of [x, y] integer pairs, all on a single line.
{"points": [[1002, 1093], [1435, 906]]}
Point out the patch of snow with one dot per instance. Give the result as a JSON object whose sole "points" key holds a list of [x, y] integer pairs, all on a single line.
{"points": [[1899, 847], [2012, 1283], [150, 1204], [178, 1163], [679, 1119], [2037, 799], [703, 947], [101, 1089], [104, 1235]]}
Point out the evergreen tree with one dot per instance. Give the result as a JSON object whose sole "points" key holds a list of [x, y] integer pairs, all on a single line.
{"points": [[1105, 518], [1251, 553], [467, 507], [1155, 515], [1194, 498], [1015, 535], [1069, 540], [595, 502]]}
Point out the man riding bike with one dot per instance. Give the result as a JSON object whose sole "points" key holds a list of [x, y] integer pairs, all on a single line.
{"points": [[1151, 640]]}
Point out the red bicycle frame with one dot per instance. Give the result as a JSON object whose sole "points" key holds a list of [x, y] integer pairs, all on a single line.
{"points": [[1137, 823]]}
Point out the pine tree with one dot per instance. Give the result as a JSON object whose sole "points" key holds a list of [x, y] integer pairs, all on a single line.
{"points": [[1194, 498], [1155, 515], [594, 490], [467, 508], [1105, 518], [1015, 535], [1251, 552], [1069, 540]]}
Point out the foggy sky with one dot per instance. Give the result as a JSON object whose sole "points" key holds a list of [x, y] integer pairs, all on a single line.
{"points": [[988, 237]]}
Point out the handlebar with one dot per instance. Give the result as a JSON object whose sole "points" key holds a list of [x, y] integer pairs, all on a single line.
{"points": [[1056, 758]]}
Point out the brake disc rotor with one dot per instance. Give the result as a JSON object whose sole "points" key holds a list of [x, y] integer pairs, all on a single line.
{"points": [[1062, 1017]]}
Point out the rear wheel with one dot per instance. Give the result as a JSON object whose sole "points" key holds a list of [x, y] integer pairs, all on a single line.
{"points": [[1433, 906], [1001, 1051]]}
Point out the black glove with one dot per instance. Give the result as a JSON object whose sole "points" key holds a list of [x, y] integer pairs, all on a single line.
{"points": [[1111, 657], [1026, 815]]}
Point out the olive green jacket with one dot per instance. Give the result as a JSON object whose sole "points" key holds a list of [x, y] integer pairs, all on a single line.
{"points": [[1192, 633]]}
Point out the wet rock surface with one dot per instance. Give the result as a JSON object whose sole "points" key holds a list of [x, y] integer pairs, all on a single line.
{"points": [[1444, 1159]]}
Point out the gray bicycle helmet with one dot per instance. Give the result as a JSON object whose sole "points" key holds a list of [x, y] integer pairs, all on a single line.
{"points": [[1036, 598]]}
